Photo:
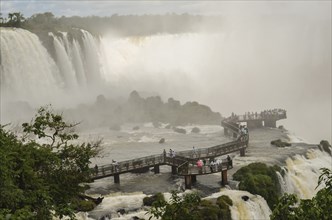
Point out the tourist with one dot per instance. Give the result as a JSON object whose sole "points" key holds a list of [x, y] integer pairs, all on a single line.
{"points": [[96, 169], [229, 162], [199, 165], [194, 151], [173, 153], [211, 166]]}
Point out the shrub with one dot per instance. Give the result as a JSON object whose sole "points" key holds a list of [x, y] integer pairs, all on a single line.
{"points": [[258, 178]]}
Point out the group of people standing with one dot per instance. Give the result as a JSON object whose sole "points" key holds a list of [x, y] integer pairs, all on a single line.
{"points": [[213, 164], [263, 114]]}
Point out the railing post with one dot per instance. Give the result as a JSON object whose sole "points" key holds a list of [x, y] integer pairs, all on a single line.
{"points": [[174, 170]]}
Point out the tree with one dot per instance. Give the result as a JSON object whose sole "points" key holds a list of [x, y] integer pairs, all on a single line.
{"points": [[190, 206], [40, 181], [178, 208], [319, 207]]}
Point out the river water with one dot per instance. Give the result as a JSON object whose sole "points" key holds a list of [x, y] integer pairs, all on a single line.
{"points": [[299, 162]]}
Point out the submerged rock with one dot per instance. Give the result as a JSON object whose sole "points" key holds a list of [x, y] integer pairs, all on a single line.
{"points": [[195, 130], [280, 143], [180, 130], [245, 198], [136, 128], [162, 140], [149, 200], [121, 211]]}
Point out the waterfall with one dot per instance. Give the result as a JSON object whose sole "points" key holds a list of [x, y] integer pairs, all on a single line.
{"points": [[78, 63], [300, 175], [64, 61], [27, 70], [30, 74], [92, 58]]}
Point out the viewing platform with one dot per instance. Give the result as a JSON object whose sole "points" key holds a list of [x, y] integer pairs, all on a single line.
{"points": [[266, 118]]}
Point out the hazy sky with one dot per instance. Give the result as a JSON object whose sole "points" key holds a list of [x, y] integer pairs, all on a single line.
{"points": [[107, 7]]}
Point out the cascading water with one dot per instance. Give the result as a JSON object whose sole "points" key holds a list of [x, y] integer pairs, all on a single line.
{"points": [[64, 61], [30, 74], [300, 175], [26, 67], [254, 208]]}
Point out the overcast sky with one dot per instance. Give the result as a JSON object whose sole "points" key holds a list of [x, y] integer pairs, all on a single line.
{"points": [[108, 8]]}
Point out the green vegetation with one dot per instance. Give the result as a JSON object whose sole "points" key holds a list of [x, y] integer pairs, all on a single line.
{"points": [[319, 207], [122, 25], [258, 178], [42, 174], [190, 206], [14, 19]]}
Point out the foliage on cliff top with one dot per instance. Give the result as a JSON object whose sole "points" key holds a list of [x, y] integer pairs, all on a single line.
{"points": [[40, 181], [258, 178]]}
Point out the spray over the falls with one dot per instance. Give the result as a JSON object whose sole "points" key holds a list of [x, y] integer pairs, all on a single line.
{"points": [[210, 68]]}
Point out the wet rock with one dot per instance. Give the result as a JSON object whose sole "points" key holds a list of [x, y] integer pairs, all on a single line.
{"points": [[162, 140], [136, 128], [149, 200], [245, 198], [325, 146], [195, 130], [168, 126], [121, 211], [180, 130], [280, 143]]}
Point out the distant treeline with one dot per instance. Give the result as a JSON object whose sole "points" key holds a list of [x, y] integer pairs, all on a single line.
{"points": [[113, 113], [123, 25]]}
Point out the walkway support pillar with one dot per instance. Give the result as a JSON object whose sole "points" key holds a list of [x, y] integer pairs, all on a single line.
{"points": [[174, 170], [225, 131], [193, 179], [270, 123], [242, 152], [187, 181], [116, 178], [156, 169], [224, 180]]}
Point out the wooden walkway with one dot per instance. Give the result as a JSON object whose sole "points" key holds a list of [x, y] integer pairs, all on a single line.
{"points": [[184, 163]]}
